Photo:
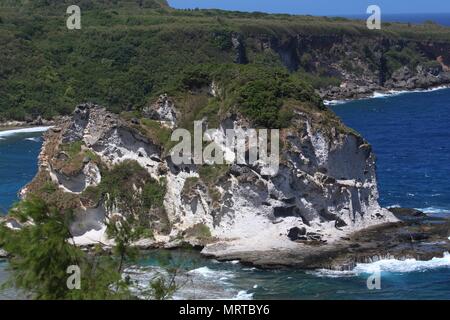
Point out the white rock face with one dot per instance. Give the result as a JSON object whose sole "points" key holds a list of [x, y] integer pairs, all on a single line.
{"points": [[162, 110], [325, 189]]}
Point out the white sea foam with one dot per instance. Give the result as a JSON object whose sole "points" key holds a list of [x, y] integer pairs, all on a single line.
{"points": [[392, 93], [208, 273], [243, 295], [249, 269], [34, 139], [197, 284], [384, 94], [435, 211], [327, 273], [334, 102], [402, 266], [391, 265], [7, 133]]}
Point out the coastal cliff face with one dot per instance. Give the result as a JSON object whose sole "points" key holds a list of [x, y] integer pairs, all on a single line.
{"points": [[359, 66], [325, 188]]}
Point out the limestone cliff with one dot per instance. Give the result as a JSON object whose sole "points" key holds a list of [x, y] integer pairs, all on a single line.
{"points": [[361, 67], [325, 189]]}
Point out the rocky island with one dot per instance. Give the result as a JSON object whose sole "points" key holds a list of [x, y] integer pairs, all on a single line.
{"points": [[319, 211], [230, 70]]}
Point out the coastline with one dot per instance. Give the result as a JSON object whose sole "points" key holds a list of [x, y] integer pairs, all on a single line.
{"points": [[415, 236], [15, 125], [384, 94], [343, 254], [7, 131]]}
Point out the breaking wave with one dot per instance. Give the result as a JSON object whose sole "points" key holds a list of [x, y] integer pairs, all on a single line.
{"points": [[392, 93], [198, 284], [435, 211], [34, 139], [7, 133], [402, 266], [391, 265], [384, 94]]}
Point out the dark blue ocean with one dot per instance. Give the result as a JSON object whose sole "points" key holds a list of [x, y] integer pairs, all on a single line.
{"points": [[410, 134], [18, 163], [442, 19]]}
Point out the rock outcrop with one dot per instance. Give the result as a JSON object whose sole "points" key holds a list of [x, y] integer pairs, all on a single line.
{"points": [[324, 190], [361, 67], [162, 110], [414, 236]]}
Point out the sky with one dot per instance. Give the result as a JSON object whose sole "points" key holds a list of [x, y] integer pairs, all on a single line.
{"points": [[319, 7]]}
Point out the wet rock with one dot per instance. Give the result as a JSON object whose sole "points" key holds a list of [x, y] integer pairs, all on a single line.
{"points": [[340, 223], [296, 233], [407, 214], [283, 212], [414, 236], [400, 240]]}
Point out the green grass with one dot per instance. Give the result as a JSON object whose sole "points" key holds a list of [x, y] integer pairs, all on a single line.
{"points": [[157, 132], [76, 156], [129, 188], [72, 149], [199, 231]]}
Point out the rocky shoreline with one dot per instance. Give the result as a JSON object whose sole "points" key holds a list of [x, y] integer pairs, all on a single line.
{"points": [[416, 236], [380, 92], [13, 124], [404, 79]]}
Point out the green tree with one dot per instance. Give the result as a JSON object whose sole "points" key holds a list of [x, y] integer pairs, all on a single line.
{"points": [[42, 252]]}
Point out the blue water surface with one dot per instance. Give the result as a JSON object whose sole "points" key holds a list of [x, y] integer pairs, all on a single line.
{"points": [[410, 134], [18, 164]]}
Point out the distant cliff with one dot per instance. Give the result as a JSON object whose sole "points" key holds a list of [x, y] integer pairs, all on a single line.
{"points": [[129, 52]]}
